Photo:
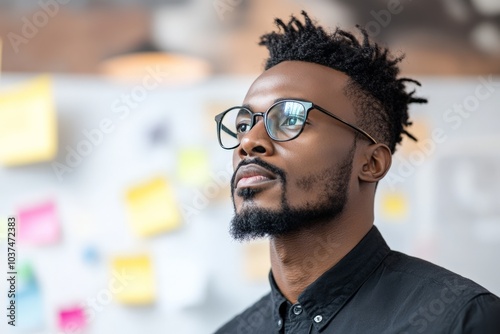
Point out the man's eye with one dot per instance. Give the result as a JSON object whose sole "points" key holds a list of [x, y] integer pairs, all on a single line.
{"points": [[242, 127], [292, 121]]}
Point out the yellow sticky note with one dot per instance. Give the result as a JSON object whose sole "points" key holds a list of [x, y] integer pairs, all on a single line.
{"points": [[193, 166], [257, 261], [152, 208], [394, 206], [28, 125], [134, 279]]}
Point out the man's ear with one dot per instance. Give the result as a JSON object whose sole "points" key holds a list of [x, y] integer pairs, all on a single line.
{"points": [[377, 160]]}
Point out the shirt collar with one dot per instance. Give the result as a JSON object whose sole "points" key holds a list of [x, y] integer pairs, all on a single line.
{"points": [[324, 298]]}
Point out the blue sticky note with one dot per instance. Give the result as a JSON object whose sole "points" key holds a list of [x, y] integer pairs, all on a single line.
{"points": [[29, 308], [90, 255], [28, 299]]}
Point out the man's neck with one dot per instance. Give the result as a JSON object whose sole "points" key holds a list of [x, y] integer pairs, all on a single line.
{"points": [[298, 259]]}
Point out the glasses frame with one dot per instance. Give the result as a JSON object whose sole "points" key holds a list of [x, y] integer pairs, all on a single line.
{"points": [[306, 104]]}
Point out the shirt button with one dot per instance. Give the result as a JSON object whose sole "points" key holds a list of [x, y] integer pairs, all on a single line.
{"points": [[297, 309], [318, 319]]}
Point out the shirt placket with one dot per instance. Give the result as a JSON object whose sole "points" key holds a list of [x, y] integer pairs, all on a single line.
{"points": [[297, 321]]}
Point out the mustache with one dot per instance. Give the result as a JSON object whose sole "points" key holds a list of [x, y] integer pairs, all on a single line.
{"points": [[280, 173]]}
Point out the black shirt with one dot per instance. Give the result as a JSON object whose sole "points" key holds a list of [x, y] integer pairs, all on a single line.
{"points": [[376, 290]]}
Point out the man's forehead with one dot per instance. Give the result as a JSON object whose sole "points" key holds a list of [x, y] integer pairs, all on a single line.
{"points": [[298, 79]]}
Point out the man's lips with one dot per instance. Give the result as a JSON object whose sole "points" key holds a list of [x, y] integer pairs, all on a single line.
{"points": [[252, 174]]}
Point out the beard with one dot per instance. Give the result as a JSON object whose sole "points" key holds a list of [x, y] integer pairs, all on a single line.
{"points": [[256, 223]]}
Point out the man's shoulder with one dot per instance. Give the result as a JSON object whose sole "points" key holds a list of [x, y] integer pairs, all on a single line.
{"points": [[432, 296], [251, 319], [430, 276], [416, 296]]}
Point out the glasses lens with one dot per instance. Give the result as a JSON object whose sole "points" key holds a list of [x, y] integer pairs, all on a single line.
{"points": [[234, 124], [285, 120]]}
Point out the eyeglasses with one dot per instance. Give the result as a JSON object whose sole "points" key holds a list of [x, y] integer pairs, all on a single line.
{"points": [[283, 121]]}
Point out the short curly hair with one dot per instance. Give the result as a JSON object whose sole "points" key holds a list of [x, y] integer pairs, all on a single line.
{"points": [[380, 97]]}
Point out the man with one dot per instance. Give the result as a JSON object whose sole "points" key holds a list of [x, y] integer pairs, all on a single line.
{"points": [[315, 134]]}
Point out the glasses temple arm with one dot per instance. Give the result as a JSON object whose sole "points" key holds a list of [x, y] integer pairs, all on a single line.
{"points": [[346, 123], [229, 132]]}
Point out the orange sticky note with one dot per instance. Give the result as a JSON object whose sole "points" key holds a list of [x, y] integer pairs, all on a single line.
{"points": [[28, 125], [420, 129], [257, 260], [152, 208], [136, 279]]}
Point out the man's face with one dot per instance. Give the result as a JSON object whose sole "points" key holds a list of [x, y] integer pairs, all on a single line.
{"points": [[282, 187]]}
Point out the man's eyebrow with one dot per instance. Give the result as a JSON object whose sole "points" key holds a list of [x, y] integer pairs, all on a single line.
{"points": [[246, 105]]}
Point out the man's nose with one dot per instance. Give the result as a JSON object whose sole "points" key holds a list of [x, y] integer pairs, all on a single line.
{"points": [[256, 141]]}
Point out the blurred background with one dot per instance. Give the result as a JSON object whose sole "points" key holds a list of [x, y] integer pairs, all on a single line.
{"points": [[110, 166]]}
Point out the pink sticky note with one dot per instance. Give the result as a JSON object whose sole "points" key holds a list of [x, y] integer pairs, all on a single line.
{"points": [[72, 319], [38, 225]]}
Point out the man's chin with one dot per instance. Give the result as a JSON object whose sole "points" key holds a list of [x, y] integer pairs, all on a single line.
{"points": [[252, 223], [255, 223]]}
